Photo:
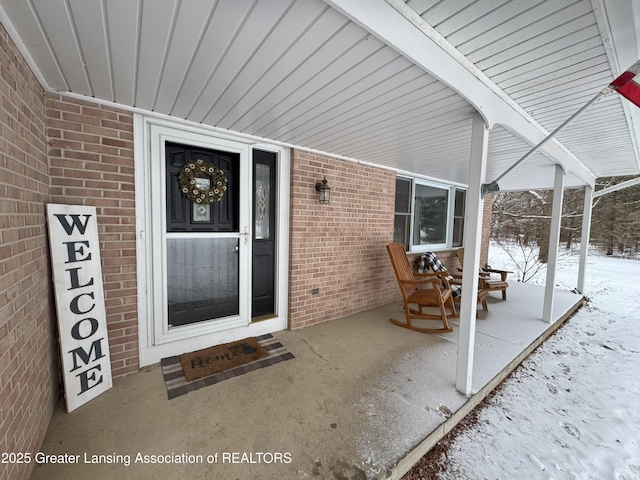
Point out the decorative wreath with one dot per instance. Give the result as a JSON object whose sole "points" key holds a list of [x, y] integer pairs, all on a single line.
{"points": [[192, 186]]}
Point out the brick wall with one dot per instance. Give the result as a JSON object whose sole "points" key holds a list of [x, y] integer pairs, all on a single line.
{"points": [[91, 163], [339, 248], [28, 354], [447, 257]]}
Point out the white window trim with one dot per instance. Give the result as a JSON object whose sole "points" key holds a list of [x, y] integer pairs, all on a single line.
{"points": [[448, 244]]}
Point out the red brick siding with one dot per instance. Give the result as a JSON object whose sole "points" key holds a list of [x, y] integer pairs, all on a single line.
{"points": [[28, 354], [339, 248], [91, 163], [447, 257]]}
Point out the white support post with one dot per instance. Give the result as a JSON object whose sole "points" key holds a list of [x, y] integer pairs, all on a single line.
{"points": [[472, 241], [554, 240], [584, 237]]}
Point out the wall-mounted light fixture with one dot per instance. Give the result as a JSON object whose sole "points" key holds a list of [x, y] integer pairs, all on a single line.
{"points": [[323, 191], [489, 188]]}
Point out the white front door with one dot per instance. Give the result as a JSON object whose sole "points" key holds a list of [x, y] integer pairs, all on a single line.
{"points": [[200, 250], [195, 259], [204, 241]]}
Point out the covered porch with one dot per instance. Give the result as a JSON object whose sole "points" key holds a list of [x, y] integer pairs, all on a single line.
{"points": [[445, 95], [361, 399]]}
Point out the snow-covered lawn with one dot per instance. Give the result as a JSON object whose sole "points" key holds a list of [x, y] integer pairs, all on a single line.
{"points": [[572, 409]]}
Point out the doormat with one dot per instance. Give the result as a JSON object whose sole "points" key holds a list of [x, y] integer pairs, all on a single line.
{"points": [[209, 361], [177, 384]]}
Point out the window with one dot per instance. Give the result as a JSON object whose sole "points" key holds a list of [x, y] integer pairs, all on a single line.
{"points": [[458, 217], [428, 215], [402, 221]]}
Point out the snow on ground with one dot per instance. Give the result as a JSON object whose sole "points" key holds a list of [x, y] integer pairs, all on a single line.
{"points": [[571, 411]]}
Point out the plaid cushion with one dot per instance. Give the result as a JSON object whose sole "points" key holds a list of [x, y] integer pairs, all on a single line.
{"points": [[431, 260]]}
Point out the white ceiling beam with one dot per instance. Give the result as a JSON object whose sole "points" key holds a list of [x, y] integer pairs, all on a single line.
{"points": [[619, 186], [397, 25]]}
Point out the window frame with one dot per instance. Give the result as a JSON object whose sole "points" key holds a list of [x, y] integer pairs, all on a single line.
{"points": [[406, 215], [451, 215], [461, 217]]}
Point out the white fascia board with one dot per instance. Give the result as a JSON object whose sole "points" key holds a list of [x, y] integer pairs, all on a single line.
{"points": [[398, 26]]}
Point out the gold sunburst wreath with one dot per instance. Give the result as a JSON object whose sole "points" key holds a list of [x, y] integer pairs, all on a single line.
{"points": [[202, 182]]}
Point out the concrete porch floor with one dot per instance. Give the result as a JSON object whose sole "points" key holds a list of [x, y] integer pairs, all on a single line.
{"points": [[362, 398]]}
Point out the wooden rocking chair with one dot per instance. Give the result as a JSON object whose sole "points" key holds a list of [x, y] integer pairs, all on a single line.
{"points": [[486, 282], [409, 282], [431, 261]]}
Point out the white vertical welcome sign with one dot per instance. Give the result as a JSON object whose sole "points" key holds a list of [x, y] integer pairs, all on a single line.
{"points": [[82, 323]]}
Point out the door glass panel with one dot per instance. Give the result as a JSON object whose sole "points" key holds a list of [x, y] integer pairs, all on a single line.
{"points": [[202, 279], [261, 207], [201, 212]]}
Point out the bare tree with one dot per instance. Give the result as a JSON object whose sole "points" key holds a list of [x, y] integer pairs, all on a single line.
{"points": [[521, 220], [616, 219], [525, 258], [525, 217]]}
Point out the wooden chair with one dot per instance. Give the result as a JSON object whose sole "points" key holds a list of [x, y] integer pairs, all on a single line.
{"points": [[486, 282], [437, 293], [431, 261]]}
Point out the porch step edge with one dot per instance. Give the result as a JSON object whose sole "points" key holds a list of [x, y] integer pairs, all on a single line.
{"points": [[410, 459]]}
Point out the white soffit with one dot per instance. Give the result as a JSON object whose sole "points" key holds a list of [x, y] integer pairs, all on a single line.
{"points": [[552, 57], [333, 77], [432, 52], [296, 72], [536, 172]]}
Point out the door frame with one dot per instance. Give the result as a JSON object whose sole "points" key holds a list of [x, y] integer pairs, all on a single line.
{"points": [[155, 341]]}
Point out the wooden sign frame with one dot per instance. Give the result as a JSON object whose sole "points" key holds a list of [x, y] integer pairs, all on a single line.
{"points": [[79, 293]]}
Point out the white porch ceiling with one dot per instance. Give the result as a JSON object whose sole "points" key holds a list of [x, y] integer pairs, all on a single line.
{"points": [[303, 73]]}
